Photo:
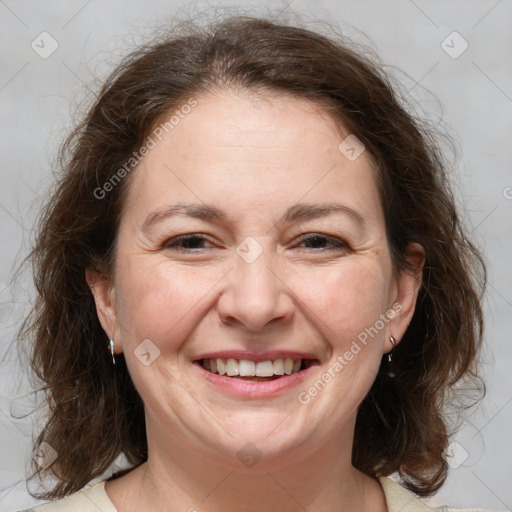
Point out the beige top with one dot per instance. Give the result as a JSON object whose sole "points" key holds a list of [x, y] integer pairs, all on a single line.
{"points": [[95, 499]]}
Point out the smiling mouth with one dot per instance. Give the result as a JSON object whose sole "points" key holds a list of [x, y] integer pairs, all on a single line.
{"points": [[256, 371]]}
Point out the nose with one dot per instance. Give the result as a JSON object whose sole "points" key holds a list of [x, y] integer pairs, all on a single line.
{"points": [[256, 294]]}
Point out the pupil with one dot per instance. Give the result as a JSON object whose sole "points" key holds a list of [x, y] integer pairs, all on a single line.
{"points": [[317, 241], [192, 242]]}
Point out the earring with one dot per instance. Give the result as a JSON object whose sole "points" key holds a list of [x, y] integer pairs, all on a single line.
{"points": [[391, 373], [111, 346], [393, 342]]}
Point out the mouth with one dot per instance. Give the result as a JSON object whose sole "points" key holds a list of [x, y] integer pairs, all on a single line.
{"points": [[256, 371]]}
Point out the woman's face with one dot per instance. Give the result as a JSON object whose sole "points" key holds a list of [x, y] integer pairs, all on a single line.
{"points": [[263, 275]]}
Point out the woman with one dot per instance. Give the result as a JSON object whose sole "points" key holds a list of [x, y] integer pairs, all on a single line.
{"points": [[253, 283]]}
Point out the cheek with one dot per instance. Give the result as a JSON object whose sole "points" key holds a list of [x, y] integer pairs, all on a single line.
{"points": [[345, 304], [346, 300], [160, 303], [157, 300]]}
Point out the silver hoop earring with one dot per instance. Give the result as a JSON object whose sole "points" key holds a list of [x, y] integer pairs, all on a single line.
{"points": [[111, 347]]}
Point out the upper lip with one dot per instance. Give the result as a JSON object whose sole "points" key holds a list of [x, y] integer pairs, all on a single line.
{"points": [[256, 356]]}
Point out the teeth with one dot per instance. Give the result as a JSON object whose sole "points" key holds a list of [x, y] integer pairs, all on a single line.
{"points": [[278, 367], [221, 367], [246, 368], [232, 368], [264, 369]]}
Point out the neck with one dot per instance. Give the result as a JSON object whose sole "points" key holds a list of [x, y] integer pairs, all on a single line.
{"points": [[186, 480]]}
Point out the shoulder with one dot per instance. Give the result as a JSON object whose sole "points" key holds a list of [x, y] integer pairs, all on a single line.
{"points": [[399, 499], [93, 499]]}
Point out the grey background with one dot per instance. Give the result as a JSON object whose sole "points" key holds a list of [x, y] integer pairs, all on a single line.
{"points": [[471, 96]]}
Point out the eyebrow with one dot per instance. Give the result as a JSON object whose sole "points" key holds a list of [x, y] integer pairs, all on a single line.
{"points": [[298, 212]]}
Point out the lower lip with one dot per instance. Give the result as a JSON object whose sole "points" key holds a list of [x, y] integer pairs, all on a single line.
{"points": [[254, 389]]}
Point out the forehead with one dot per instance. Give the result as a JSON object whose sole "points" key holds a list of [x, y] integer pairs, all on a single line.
{"points": [[246, 150], [244, 119]]}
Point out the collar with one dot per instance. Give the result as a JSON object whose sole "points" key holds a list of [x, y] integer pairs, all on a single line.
{"points": [[399, 499]]}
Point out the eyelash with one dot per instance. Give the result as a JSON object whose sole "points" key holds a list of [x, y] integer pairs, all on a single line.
{"points": [[336, 244]]}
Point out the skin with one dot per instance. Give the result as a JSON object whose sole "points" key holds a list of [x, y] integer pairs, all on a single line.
{"points": [[253, 157]]}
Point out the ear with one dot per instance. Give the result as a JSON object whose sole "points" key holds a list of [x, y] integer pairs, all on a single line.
{"points": [[103, 292], [405, 293]]}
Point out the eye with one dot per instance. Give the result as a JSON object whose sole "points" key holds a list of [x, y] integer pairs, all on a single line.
{"points": [[321, 241], [186, 243], [316, 242]]}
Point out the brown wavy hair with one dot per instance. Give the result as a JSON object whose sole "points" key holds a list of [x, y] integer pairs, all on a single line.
{"points": [[95, 413]]}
